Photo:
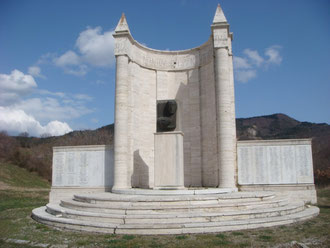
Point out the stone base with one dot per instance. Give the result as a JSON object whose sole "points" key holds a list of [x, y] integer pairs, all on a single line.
{"points": [[169, 171], [153, 212], [305, 192], [56, 194]]}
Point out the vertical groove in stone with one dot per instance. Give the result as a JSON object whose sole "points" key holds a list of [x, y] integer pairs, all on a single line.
{"points": [[121, 125]]}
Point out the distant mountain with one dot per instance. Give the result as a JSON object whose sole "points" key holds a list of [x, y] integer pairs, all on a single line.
{"points": [[276, 126]]}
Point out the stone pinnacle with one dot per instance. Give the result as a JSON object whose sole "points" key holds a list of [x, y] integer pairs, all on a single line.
{"points": [[219, 16]]}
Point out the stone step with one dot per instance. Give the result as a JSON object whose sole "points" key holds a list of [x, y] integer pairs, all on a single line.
{"points": [[154, 208], [41, 215], [164, 204], [180, 192], [111, 197], [180, 218]]}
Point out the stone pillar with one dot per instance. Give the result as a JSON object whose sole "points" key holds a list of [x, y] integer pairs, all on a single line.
{"points": [[121, 156], [225, 120], [224, 83], [232, 98], [121, 136]]}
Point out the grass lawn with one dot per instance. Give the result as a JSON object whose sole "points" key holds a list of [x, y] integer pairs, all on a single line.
{"points": [[21, 191]]}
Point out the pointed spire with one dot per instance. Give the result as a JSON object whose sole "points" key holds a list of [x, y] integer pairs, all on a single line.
{"points": [[219, 16], [122, 25]]}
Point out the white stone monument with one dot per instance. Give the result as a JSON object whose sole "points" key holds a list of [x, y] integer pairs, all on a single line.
{"points": [[184, 179], [201, 79]]}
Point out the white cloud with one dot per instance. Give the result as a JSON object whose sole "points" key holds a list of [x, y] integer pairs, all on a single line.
{"points": [[35, 71], [47, 92], [83, 97], [21, 114], [15, 121], [14, 86], [80, 70], [254, 56], [50, 108], [241, 63], [46, 58], [56, 128], [96, 48], [246, 67], [245, 75], [67, 59], [273, 54]]}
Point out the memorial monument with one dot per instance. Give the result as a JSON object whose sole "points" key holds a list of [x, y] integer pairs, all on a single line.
{"points": [[176, 165]]}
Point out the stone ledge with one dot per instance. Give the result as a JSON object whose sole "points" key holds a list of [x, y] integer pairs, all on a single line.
{"points": [[173, 192]]}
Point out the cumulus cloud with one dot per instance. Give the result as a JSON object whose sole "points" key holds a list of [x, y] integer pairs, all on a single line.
{"points": [[14, 86], [35, 71], [71, 63], [50, 108], [94, 48], [17, 121], [246, 67], [46, 112], [68, 58]]}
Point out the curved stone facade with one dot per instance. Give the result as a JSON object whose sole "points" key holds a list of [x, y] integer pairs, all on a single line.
{"points": [[163, 60], [201, 82]]}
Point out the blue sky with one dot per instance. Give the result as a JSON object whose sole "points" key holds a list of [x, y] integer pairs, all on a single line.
{"points": [[57, 69]]}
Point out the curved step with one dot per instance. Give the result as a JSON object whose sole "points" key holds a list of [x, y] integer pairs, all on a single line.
{"points": [[155, 208], [42, 216], [180, 218], [111, 197], [167, 192]]}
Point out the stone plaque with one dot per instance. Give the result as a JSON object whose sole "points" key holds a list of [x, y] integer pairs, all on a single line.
{"points": [[83, 166], [275, 162]]}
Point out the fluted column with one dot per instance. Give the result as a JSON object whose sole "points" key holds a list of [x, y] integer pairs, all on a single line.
{"points": [[121, 156]]}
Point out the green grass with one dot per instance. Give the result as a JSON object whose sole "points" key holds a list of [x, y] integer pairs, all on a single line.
{"points": [[16, 199], [180, 237], [265, 238], [19, 177], [17, 203], [128, 237]]}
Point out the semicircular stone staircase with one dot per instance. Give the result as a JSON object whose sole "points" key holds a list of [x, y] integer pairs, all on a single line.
{"points": [[148, 214]]}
